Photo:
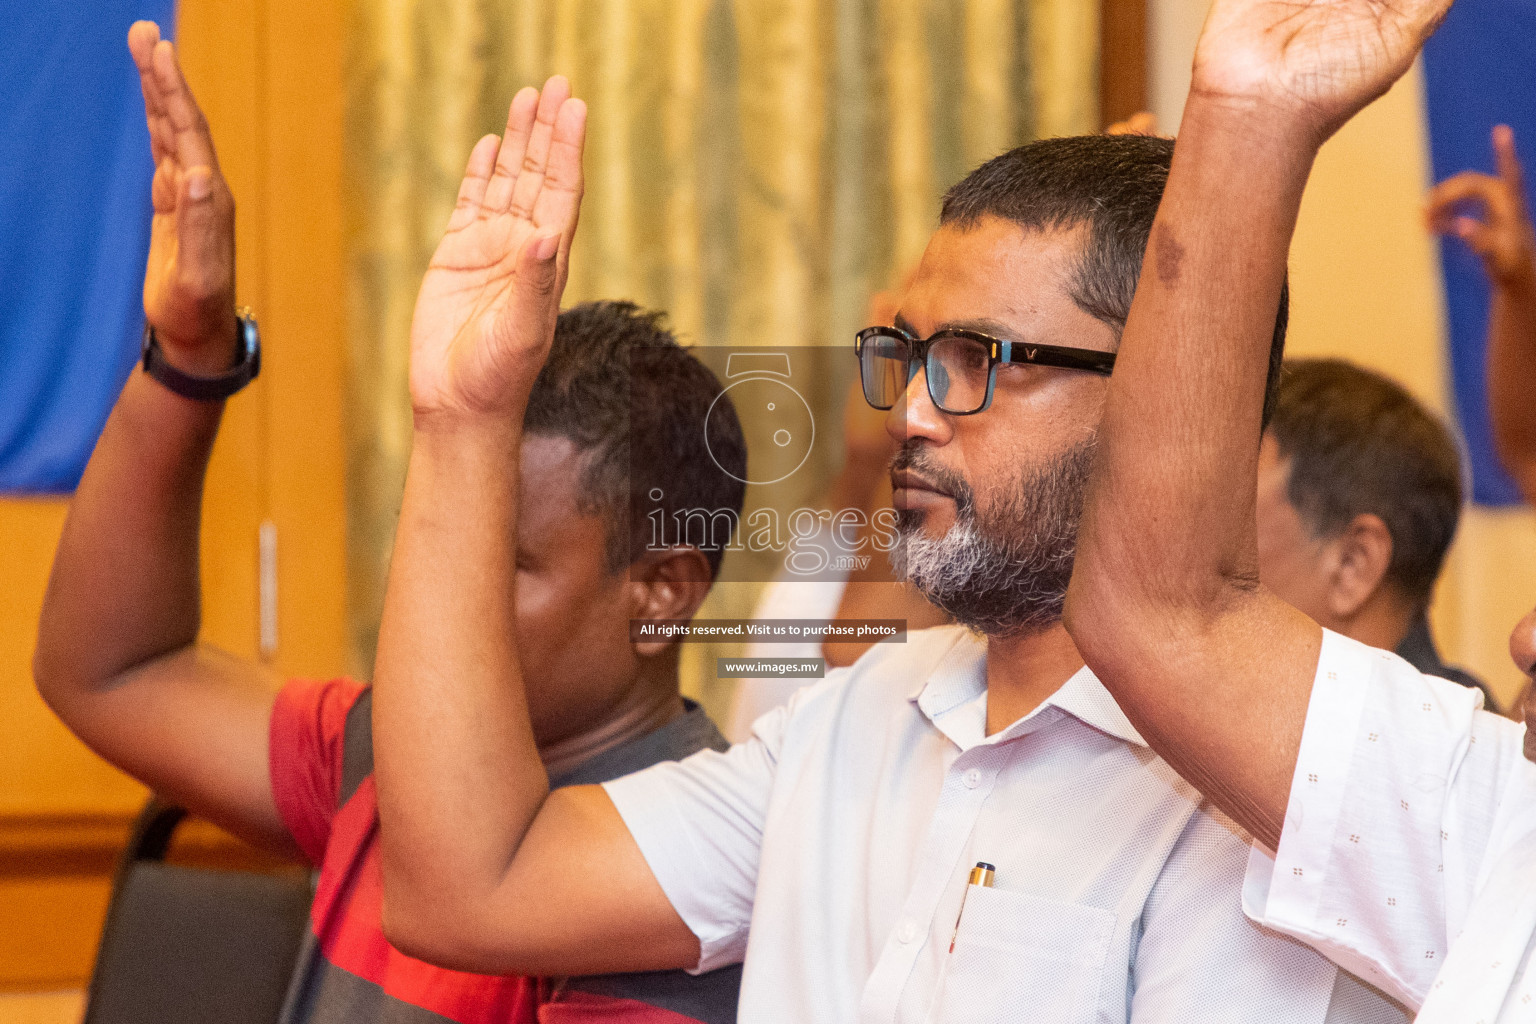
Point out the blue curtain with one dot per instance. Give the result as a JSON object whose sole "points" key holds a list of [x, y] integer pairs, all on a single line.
{"points": [[74, 230], [1480, 70]]}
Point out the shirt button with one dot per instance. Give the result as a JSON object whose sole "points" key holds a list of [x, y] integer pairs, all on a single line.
{"points": [[906, 933], [972, 779]]}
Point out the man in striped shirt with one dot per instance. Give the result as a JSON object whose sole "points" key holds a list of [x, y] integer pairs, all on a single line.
{"points": [[288, 766]]}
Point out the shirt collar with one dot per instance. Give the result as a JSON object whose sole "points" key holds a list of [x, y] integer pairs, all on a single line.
{"points": [[687, 733], [1085, 698], [959, 677]]}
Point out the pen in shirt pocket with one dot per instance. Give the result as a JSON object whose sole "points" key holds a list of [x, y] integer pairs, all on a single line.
{"points": [[981, 875]]}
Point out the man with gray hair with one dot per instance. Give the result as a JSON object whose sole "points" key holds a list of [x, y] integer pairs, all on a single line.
{"points": [[1358, 501]]}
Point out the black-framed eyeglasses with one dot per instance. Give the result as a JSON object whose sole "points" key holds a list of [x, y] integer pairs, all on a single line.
{"points": [[961, 365]]}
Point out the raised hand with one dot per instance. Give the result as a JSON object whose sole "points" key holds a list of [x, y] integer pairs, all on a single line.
{"points": [[189, 282], [1143, 122], [1317, 60], [1502, 235], [486, 312]]}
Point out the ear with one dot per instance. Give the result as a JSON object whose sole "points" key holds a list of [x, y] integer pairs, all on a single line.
{"points": [[1359, 561], [667, 584]]}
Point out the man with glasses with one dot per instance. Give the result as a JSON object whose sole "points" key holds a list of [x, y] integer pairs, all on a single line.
{"points": [[838, 851]]}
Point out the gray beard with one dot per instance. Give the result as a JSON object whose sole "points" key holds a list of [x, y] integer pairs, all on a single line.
{"points": [[1003, 570]]}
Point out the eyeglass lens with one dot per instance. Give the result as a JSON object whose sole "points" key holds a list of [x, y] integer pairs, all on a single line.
{"points": [[883, 369], [958, 369]]}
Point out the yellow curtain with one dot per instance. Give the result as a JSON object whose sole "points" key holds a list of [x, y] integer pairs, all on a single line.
{"points": [[755, 168]]}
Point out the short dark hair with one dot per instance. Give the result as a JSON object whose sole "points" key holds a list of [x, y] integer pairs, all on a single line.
{"points": [[1359, 443], [1112, 184], [626, 394]]}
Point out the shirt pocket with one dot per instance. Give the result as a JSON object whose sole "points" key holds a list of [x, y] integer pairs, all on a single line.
{"points": [[1021, 958]]}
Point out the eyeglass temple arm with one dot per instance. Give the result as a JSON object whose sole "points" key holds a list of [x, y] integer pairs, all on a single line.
{"points": [[1054, 355]]}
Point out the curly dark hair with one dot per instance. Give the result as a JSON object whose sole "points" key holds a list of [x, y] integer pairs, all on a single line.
{"points": [[619, 386]]}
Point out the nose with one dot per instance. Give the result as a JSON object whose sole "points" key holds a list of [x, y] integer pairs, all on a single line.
{"points": [[1522, 643], [1522, 648], [915, 415]]}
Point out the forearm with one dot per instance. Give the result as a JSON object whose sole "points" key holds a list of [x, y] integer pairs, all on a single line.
{"points": [[1182, 422], [1165, 602], [126, 571], [459, 775], [1512, 376]]}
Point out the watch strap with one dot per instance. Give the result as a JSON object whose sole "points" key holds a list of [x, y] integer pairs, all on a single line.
{"points": [[212, 388]]}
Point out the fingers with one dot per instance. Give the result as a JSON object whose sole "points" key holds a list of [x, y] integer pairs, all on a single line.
{"points": [[1508, 163], [514, 147], [143, 37], [529, 318], [194, 144], [558, 203], [1458, 190], [1477, 235], [163, 189], [530, 177], [882, 308], [205, 239], [536, 270], [544, 138], [477, 178], [1143, 122]]}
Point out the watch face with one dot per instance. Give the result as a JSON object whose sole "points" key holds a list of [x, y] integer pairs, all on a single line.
{"points": [[780, 429], [216, 387], [250, 335]]}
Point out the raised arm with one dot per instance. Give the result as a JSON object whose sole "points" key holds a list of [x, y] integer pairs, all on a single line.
{"points": [[1489, 214], [1165, 603], [484, 868], [117, 655]]}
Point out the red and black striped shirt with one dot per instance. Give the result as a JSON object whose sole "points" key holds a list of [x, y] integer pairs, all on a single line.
{"points": [[349, 974]]}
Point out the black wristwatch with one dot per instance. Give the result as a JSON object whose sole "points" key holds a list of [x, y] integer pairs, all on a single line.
{"points": [[220, 386]]}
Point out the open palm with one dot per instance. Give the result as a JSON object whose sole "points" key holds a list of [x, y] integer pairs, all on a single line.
{"points": [[1321, 59], [486, 312], [189, 278]]}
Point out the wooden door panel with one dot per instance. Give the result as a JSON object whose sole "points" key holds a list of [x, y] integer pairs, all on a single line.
{"points": [[64, 813]]}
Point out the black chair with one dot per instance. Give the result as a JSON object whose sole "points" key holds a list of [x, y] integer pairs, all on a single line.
{"points": [[185, 945]]}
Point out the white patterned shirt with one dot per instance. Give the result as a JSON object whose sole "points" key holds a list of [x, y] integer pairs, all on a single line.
{"points": [[1409, 848], [832, 849]]}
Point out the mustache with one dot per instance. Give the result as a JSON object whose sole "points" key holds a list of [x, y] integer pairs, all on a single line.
{"points": [[1004, 570], [914, 455]]}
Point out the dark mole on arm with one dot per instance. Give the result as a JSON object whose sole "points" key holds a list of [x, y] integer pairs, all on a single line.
{"points": [[1170, 256]]}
